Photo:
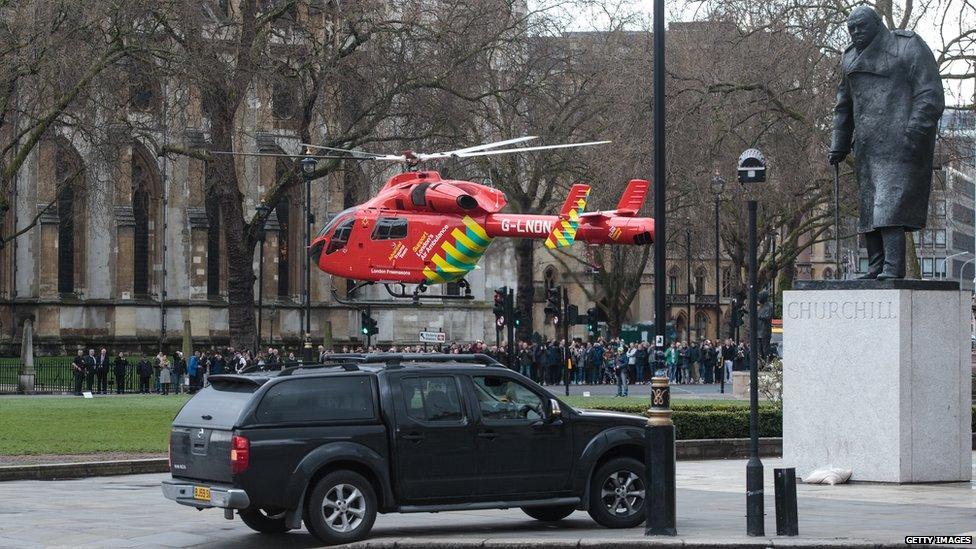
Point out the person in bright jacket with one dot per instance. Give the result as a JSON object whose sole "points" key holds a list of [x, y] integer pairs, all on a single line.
{"points": [[671, 359], [192, 370]]}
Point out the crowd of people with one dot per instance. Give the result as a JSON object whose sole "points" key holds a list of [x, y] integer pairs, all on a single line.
{"points": [[551, 362], [616, 362]]}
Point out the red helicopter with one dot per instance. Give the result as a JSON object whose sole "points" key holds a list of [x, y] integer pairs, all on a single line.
{"points": [[424, 230]]}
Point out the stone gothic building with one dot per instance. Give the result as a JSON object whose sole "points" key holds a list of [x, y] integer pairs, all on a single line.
{"points": [[126, 252]]}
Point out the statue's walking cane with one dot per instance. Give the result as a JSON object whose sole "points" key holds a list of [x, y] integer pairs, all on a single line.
{"points": [[837, 274]]}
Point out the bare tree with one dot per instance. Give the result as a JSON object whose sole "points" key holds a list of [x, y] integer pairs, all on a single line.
{"points": [[51, 56], [354, 71]]}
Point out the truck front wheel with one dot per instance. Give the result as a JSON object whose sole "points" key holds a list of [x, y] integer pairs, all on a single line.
{"points": [[341, 508], [617, 493]]}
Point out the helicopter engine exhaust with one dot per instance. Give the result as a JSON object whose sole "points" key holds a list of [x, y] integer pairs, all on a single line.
{"points": [[447, 198]]}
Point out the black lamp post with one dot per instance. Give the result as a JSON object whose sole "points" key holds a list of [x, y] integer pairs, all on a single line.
{"points": [[774, 267], [752, 171], [718, 185], [308, 173], [262, 213], [660, 503], [688, 288]]}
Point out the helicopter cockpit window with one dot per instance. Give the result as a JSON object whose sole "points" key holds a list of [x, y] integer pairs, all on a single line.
{"points": [[335, 219], [341, 236], [390, 228]]}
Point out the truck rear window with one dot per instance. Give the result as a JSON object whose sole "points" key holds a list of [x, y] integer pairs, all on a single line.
{"points": [[222, 403], [332, 398]]}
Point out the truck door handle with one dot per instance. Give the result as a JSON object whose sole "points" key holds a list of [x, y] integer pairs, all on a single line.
{"points": [[490, 435], [413, 436]]}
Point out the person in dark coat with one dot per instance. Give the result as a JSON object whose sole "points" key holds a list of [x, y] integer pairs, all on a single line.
{"points": [[90, 370], [145, 370], [78, 369], [102, 365], [889, 103], [121, 365]]}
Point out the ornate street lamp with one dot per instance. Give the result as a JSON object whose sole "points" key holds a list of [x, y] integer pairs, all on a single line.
{"points": [[309, 165], [718, 186], [262, 216], [751, 172]]}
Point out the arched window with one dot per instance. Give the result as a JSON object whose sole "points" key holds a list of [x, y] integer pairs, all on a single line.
{"points": [[549, 278], [70, 191], [726, 282], [284, 99], [700, 281], [673, 280], [701, 324], [289, 213], [680, 325], [145, 211], [66, 240], [144, 92]]}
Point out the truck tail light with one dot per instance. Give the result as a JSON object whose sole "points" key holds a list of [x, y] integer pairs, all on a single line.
{"points": [[240, 454], [169, 451]]}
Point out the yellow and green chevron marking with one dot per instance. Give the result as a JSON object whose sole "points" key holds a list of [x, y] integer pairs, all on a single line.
{"points": [[459, 254], [563, 233]]}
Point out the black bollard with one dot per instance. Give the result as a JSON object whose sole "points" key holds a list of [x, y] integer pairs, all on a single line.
{"points": [[787, 521], [659, 434]]}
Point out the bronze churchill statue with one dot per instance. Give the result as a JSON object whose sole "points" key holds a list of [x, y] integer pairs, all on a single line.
{"points": [[889, 102]]}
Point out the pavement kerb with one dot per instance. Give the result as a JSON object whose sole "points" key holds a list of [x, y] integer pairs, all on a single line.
{"points": [[677, 542]]}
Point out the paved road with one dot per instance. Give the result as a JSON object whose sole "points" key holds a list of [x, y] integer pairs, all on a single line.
{"points": [[131, 512]]}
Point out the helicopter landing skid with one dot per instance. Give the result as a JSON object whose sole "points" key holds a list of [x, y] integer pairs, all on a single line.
{"points": [[400, 291]]}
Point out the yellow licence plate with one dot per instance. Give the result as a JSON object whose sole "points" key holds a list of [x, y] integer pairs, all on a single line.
{"points": [[201, 492]]}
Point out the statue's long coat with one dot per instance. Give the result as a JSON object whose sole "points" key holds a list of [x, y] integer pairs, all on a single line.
{"points": [[890, 98]]}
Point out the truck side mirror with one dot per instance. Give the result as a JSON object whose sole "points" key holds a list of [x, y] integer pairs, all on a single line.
{"points": [[555, 412]]}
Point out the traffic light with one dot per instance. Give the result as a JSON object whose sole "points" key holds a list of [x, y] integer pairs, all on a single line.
{"points": [[573, 316], [554, 303], [499, 306], [592, 318], [368, 324]]}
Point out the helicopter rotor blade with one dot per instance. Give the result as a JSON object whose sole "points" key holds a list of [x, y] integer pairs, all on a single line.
{"points": [[354, 152], [281, 155], [491, 145], [529, 149]]}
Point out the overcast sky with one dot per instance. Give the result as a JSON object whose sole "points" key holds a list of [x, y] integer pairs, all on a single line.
{"points": [[957, 92]]}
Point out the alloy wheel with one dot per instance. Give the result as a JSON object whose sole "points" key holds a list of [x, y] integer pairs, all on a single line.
{"points": [[623, 493], [344, 508]]}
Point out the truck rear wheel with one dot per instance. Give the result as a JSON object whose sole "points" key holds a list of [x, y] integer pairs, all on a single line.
{"points": [[266, 521], [341, 508], [550, 513], [617, 493]]}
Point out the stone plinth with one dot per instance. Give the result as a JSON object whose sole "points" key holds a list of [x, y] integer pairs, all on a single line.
{"points": [[740, 384], [876, 378]]}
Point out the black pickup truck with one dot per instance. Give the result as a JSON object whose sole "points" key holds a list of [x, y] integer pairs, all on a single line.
{"points": [[334, 444]]}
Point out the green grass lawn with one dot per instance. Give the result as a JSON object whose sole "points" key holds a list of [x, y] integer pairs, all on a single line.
{"points": [[74, 425], [140, 423]]}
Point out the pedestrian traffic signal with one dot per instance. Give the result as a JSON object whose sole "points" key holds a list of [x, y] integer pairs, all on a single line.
{"points": [[554, 303], [368, 325], [498, 308], [592, 318]]}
